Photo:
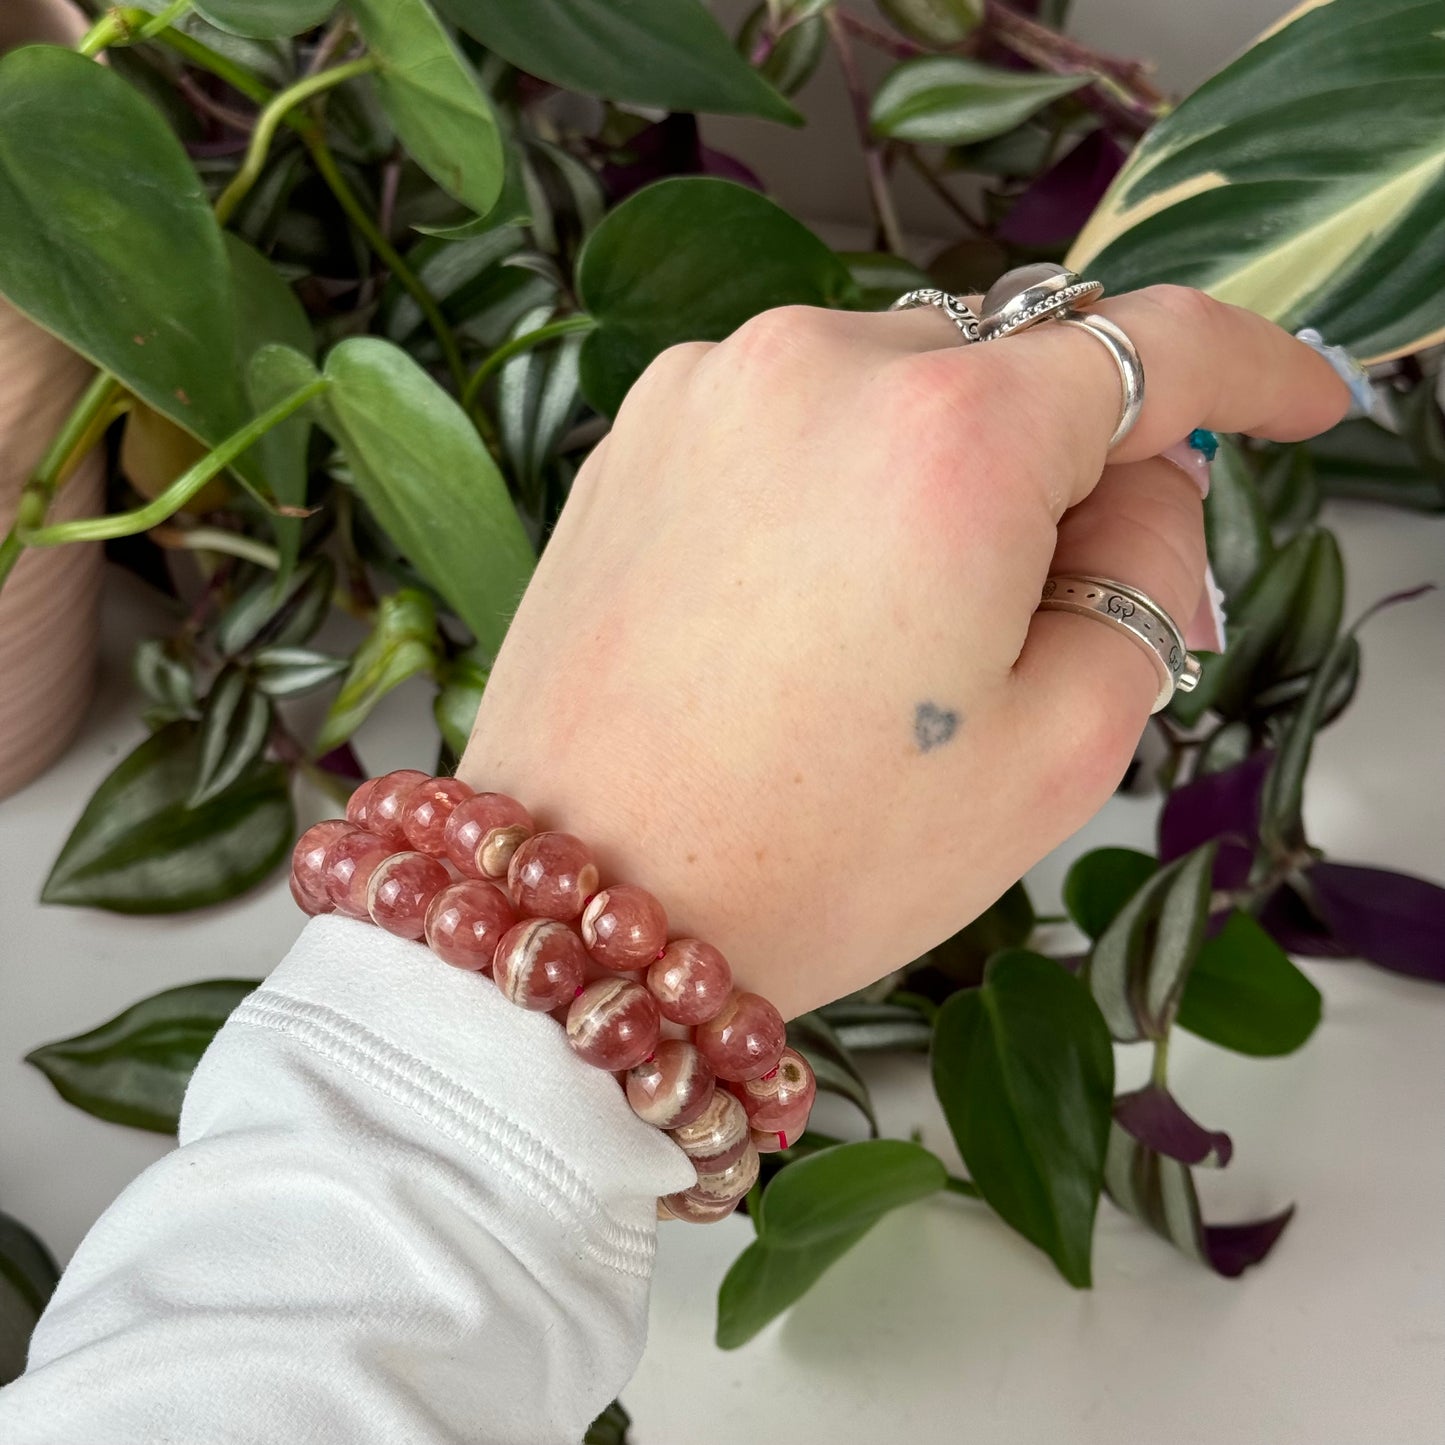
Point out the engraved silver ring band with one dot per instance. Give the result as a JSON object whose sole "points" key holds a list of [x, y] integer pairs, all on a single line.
{"points": [[1133, 613], [955, 308]]}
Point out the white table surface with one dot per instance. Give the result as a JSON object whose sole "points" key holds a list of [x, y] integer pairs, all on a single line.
{"points": [[942, 1325]]}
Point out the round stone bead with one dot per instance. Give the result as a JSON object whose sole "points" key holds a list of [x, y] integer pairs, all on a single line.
{"points": [[717, 1137], [730, 1184], [784, 1129], [551, 876], [624, 927], [401, 890], [672, 1087], [540, 964], [744, 1039], [768, 1143], [775, 1099], [356, 803], [426, 810], [691, 981], [613, 1023], [695, 1211], [383, 806], [308, 886], [484, 831], [350, 861], [466, 921]]}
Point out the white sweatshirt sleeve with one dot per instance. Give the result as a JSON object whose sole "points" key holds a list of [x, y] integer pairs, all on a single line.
{"points": [[401, 1211]]}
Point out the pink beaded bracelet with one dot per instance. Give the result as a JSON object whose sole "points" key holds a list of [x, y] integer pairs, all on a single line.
{"points": [[428, 858]]}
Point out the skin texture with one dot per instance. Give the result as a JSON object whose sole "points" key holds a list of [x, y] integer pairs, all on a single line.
{"points": [[780, 662]]}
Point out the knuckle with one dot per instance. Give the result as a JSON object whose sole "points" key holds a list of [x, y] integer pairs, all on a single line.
{"points": [[1105, 727], [1183, 305], [777, 336]]}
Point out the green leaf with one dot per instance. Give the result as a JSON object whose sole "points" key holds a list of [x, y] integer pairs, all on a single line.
{"points": [[1227, 191], [1025, 1073], [1245, 994], [862, 1027], [456, 703], [1139, 965], [812, 1213], [536, 399], [691, 259], [107, 238], [162, 678], [402, 643], [1234, 522], [953, 101], [441, 114], [28, 1275], [294, 671], [610, 1427], [265, 19], [650, 52], [134, 1069], [1361, 459], [1100, 883], [831, 1063], [421, 468], [139, 849], [267, 313], [235, 724], [790, 62], [880, 278], [259, 615], [958, 962], [939, 23], [1289, 491]]}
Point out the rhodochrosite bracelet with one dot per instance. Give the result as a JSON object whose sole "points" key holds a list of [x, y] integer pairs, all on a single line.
{"points": [[428, 858]]}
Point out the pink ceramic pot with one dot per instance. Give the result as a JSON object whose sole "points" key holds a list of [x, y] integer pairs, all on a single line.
{"points": [[49, 607]]}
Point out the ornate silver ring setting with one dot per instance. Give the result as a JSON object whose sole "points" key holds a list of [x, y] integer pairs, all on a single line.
{"points": [[957, 310], [1135, 614]]}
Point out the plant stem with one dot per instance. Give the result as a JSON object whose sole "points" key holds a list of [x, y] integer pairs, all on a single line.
{"points": [[91, 414], [113, 28], [874, 169], [180, 491], [935, 184], [966, 1187], [1159, 1069], [199, 54], [267, 123], [564, 326], [177, 10], [346, 198], [217, 539]]}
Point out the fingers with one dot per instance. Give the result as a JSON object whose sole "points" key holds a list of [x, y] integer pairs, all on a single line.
{"points": [[1205, 364], [1143, 525]]}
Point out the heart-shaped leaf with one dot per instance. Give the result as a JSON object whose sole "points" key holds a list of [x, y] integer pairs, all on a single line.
{"points": [[1245, 994], [1100, 883], [403, 642], [812, 1213], [1025, 1073], [1140, 962], [651, 52], [139, 849], [950, 100], [28, 1275], [422, 470], [1160, 1192], [265, 19], [441, 114], [1216, 195], [135, 1068], [691, 259]]}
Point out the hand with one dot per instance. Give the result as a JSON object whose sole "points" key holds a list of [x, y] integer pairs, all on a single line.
{"points": [[780, 662]]}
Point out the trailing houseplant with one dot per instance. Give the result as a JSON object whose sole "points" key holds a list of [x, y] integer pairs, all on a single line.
{"points": [[364, 283]]}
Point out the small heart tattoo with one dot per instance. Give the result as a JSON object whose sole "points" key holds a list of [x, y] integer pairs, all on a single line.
{"points": [[933, 726]]}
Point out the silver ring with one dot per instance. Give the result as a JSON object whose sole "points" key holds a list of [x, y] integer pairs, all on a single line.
{"points": [[1135, 614], [1126, 358], [957, 311], [1028, 295]]}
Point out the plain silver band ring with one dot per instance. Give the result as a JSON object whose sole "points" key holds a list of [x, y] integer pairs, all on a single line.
{"points": [[1133, 613], [1126, 359], [957, 311]]}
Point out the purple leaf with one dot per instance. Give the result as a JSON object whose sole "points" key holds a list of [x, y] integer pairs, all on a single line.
{"points": [[1393, 919], [1287, 918], [342, 762], [1232, 1248], [1222, 805], [1154, 1117], [1056, 204]]}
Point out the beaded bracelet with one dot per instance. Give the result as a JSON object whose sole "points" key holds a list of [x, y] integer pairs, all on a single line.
{"points": [[428, 858]]}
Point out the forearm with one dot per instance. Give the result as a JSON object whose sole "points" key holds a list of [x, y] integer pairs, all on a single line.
{"points": [[402, 1210]]}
